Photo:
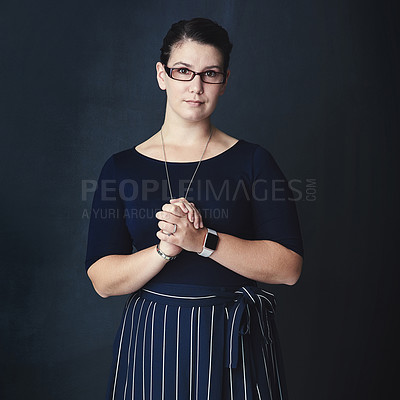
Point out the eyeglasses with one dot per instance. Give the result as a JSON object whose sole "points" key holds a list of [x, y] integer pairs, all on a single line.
{"points": [[185, 74]]}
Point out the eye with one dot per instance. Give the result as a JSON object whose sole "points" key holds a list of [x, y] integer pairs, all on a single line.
{"points": [[211, 74], [183, 71]]}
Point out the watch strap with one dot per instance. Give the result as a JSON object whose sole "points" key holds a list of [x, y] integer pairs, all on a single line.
{"points": [[206, 252]]}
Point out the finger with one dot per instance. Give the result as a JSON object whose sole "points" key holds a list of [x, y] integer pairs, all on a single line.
{"points": [[175, 209], [191, 212], [167, 238], [196, 220], [167, 227], [167, 216], [190, 207], [181, 205], [194, 215], [181, 202], [200, 218], [179, 199]]}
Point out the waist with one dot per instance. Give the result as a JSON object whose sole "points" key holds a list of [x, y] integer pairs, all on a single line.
{"points": [[201, 295], [240, 304]]}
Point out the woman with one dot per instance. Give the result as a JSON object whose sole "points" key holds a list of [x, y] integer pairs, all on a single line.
{"points": [[209, 216]]}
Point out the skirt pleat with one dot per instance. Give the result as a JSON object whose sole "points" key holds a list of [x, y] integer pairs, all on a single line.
{"points": [[177, 342]]}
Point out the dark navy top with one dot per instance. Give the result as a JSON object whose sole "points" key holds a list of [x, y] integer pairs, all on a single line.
{"points": [[241, 192]]}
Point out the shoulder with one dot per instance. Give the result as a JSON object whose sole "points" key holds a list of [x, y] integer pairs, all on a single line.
{"points": [[120, 158], [123, 156], [117, 164], [255, 150], [261, 159]]}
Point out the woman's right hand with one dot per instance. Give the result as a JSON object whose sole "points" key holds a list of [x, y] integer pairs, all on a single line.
{"points": [[193, 215], [169, 249]]}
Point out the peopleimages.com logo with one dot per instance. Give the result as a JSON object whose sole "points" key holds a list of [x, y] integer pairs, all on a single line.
{"points": [[226, 190], [146, 213]]}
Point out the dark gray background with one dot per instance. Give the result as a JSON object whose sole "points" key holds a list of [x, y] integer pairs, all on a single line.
{"points": [[315, 82]]}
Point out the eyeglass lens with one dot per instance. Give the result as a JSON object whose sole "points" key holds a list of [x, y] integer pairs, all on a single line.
{"points": [[184, 74]]}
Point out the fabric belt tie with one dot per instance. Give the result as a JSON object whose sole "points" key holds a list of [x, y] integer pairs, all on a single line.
{"points": [[251, 301], [244, 306]]}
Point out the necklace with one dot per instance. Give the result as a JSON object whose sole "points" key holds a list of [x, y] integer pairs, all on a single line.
{"points": [[198, 164]]}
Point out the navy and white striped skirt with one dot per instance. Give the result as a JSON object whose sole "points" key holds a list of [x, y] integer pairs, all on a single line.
{"points": [[190, 342]]}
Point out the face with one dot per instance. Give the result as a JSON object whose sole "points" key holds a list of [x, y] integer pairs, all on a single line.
{"points": [[192, 100]]}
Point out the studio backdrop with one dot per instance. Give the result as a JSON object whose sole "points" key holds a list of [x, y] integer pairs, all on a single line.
{"points": [[316, 83]]}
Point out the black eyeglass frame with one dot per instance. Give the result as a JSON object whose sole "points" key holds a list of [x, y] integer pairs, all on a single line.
{"points": [[169, 72]]}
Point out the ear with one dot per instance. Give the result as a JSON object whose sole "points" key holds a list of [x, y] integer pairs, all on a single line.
{"points": [[223, 87], [161, 76]]}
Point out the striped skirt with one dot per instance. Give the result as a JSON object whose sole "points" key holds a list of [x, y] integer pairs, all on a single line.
{"points": [[188, 342]]}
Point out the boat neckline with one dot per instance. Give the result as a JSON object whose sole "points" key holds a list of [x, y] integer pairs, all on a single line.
{"points": [[188, 162]]}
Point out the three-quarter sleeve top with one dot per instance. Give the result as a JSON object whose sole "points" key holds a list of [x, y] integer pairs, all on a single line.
{"points": [[241, 192]]}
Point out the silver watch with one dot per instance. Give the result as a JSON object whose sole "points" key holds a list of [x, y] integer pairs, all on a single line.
{"points": [[210, 243]]}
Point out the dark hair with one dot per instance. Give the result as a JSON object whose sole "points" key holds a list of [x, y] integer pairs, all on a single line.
{"points": [[201, 30]]}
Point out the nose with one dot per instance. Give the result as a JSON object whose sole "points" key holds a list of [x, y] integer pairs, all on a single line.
{"points": [[196, 85]]}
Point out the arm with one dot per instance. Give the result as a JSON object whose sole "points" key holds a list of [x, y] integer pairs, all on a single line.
{"points": [[111, 266], [274, 221], [119, 274], [261, 260]]}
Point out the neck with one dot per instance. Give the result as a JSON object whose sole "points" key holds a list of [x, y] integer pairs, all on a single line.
{"points": [[186, 133]]}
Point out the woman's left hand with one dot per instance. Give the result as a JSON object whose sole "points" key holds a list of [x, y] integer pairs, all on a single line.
{"points": [[189, 233], [193, 214]]}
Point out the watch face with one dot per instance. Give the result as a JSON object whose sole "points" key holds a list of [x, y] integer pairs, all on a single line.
{"points": [[211, 241]]}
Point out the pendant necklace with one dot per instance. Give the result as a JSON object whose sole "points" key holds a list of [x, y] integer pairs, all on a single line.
{"points": [[198, 164]]}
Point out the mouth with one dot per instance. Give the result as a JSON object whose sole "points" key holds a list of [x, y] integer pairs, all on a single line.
{"points": [[194, 102]]}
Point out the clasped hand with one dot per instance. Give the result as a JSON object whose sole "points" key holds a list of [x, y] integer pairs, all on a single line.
{"points": [[189, 232]]}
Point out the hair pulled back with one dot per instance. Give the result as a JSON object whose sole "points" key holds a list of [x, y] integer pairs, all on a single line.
{"points": [[201, 30]]}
